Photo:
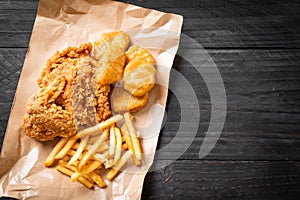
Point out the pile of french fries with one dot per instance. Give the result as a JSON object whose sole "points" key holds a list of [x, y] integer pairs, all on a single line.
{"points": [[104, 146]]}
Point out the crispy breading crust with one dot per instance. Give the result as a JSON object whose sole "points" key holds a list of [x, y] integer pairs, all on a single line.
{"points": [[122, 101], [109, 57], [46, 120], [101, 102], [55, 65], [50, 113], [139, 72]]}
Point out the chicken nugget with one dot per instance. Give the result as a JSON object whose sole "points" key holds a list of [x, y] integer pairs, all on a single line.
{"points": [[109, 57], [139, 73], [122, 101], [137, 53]]}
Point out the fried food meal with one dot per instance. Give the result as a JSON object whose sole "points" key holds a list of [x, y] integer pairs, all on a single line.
{"points": [[77, 89], [102, 147], [48, 115], [63, 103]]}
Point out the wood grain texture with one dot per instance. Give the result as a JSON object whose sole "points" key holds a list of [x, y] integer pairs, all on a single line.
{"points": [[186, 179], [233, 24], [256, 47]]}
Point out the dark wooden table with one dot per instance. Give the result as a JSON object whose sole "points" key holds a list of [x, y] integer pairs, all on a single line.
{"points": [[256, 47]]}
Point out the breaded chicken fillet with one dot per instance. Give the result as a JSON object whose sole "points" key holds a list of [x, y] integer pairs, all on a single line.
{"points": [[74, 88]]}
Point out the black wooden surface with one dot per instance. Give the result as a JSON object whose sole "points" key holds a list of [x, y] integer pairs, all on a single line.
{"points": [[256, 47]]}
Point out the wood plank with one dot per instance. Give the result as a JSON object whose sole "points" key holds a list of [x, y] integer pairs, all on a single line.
{"points": [[232, 146], [13, 21], [255, 80], [217, 9], [212, 24], [209, 4], [262, 121], [246, 32], [185, 179], [18, 4], [243, 23], [11, 62], [3, 124]]}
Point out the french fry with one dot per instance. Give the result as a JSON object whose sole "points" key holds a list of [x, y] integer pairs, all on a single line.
{"points": [[101, 126], [118, 146], [71, 152], [62, 163], [98, 179], [106, 134], [83, 160], [75, 146], [67, 147], [101, 148], [92, 140], [81, 147], [85, 170], [102, 157], [129, 144], [98, 170], [51, 157], [133, 137], [73, 168], [91, 151], [88, 178], [112, 141], [131, 116], [113, 172], [109, 163], [124, 146], [74, 164], [66, 158], [99, 157], [69, 172]]}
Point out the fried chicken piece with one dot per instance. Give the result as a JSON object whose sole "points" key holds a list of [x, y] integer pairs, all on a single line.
{"points": [[49, 116], [109, 57], [139, 73], [90, 100], [45, 119], [122, 101], [74, 88], [83, 90], [64, 62], [65, 102]]}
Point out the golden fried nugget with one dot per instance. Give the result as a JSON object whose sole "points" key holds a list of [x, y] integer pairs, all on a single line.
{"points": [[109, 54], [137, 53], [122, 101], [140, 79], [139, 73]]}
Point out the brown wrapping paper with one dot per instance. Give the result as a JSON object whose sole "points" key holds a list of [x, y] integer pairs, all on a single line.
{"points": [[60, 24]]}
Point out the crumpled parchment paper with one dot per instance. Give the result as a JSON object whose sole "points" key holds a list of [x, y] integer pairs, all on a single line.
{"points": [[63, 23]]}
